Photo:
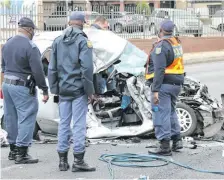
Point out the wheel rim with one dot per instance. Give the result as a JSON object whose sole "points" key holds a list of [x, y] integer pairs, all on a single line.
{"points": [[185, 119], [118, 29]]}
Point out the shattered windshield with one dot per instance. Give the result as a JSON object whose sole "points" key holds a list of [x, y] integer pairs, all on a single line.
{"points": [[132, 60]]}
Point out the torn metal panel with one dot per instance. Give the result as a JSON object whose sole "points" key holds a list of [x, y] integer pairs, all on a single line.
{"points": [[3, 137]]}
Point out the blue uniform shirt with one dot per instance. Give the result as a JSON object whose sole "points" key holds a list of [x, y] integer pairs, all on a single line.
{"points": [[70, 71], [20, 58], [161, 57]]}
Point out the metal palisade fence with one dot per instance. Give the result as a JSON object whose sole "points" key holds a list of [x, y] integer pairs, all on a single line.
{"points": [[133, 22]]}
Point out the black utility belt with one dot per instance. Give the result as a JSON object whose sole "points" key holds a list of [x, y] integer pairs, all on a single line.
{"points": [[175, 84], [170, 83], [15, 82]]}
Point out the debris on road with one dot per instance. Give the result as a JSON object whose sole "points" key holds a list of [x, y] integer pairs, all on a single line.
{"points": [[3, 138]]}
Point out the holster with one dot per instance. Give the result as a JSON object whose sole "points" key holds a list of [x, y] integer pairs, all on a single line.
{"points": [[31, 84]]}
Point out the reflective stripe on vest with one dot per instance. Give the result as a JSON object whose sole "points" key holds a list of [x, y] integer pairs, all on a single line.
{"points": [[177, 66]]}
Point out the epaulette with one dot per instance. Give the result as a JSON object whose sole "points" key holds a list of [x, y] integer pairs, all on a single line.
{"points": [[33, 45], [9, 38]]}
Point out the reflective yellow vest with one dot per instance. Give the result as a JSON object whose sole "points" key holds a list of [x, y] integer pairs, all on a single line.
{"points": [[177, 66]]}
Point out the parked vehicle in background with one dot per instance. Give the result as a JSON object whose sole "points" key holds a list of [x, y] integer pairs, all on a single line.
{"points": [[218, 20], [59, 20], [186, 22], [126, 21]]}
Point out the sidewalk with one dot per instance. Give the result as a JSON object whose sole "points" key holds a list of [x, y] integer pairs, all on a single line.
{"points": [[203, 57]]}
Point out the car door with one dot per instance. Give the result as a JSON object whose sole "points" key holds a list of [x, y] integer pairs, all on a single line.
{"points": [[48, 113]]}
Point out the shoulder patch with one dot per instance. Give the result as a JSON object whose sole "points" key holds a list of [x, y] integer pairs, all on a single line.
{"points": [[89, 44], [158, 50]]}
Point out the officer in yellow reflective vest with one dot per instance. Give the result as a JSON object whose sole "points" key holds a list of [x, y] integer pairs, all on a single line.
{"points": [[165, 75]]}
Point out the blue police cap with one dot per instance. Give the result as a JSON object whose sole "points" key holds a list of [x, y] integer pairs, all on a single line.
{"points": [[77, 15], [26, 22], [167, 26]]}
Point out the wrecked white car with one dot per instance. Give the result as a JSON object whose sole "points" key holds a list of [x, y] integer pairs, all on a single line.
{"points": [[126, 111]]}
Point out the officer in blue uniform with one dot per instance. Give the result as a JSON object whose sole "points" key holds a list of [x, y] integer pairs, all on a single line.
{"points": [[20, 59], [101, 23], [70, 75], [166, 75]]}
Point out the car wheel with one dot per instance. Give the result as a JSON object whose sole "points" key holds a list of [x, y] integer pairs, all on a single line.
{"points": [[45, 27], [35, 132], [2, 123], [221, 27], [153, 29], [197, 35], [118, 28], [187, 119]]}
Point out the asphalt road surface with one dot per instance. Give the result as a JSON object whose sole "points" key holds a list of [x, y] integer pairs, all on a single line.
{"points": [[208, 155]]}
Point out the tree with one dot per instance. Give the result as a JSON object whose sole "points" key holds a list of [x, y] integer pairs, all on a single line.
{"points": [[6, 3], [143, 7]]}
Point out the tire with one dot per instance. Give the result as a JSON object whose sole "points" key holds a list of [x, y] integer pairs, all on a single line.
{"points": [[153, 29], [187, 119], [221, 27], [118, 28], [35, 132], [197, 35], [2, 123], [45, 27]]}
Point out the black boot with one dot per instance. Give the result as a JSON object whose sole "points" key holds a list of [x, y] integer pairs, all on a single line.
{"points": [[163, 149], [13, 152], [63, 161], [23, 157], [80, 165], [177, 143]]}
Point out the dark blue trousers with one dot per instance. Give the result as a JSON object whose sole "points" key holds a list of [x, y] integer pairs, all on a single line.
{"points": [[165, 120]]}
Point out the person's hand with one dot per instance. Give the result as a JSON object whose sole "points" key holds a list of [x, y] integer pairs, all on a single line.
{"points": [[156, 98], [90, 99], [45, 98]]}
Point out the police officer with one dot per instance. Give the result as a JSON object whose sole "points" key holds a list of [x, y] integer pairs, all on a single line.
{"points": [[165, 74], [70, 75], [20, 59], [101, 23]]}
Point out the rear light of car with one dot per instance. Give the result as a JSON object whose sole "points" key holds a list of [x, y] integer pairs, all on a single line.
{"points": [[1, 94]]}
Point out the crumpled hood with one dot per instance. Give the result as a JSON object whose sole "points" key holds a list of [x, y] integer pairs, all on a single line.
{"points": [[107, 49], [70, 34]]}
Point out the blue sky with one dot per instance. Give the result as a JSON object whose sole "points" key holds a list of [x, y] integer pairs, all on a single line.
{"points": [[16, 6]]}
